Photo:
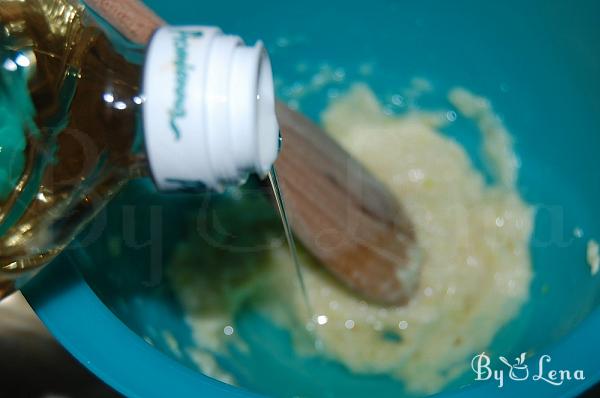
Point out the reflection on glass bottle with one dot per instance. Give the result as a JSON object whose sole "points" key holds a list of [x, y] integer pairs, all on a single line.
{"points": [[73, 131], [75, 99]]}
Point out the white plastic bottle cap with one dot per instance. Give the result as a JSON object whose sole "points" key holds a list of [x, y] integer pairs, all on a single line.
{"points": [[209, 111]]}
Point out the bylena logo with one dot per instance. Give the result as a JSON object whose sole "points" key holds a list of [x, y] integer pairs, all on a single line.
{"points": [[181, 76], [520, 371]]}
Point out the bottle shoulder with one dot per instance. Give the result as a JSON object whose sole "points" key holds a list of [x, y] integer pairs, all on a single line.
{"points": [[81, 138]]}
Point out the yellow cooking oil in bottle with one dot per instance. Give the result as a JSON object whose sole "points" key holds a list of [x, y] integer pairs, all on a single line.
{"points": [[82, 115]]}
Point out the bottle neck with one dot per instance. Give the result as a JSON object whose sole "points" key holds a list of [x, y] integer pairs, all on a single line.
{"points": [[208, 112], [195, 106]]}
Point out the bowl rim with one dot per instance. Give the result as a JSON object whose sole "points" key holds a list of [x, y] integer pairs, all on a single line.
{"points": [[88, 329]]}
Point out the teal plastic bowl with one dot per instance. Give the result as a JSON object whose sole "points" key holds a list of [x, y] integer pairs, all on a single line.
{"points": [[538, 62]]}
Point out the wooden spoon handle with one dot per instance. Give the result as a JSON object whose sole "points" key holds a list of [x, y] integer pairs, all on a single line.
{"points": [[341, 213], [130, 17], [344, 215]]}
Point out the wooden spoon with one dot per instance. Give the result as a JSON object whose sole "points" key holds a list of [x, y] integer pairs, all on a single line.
{"points": [[340, 212]]}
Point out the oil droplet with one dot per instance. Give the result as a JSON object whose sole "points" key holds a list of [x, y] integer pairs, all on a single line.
{"points": [[398, 100], [403, 325], [322, 319], [228, 330], [349, 324], [339, 75]]}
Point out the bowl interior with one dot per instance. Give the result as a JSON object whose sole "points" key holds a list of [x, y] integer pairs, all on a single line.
{"points": [[537, 62]]}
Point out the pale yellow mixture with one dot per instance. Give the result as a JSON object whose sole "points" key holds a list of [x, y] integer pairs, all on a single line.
{"points": [[476, 269]]}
